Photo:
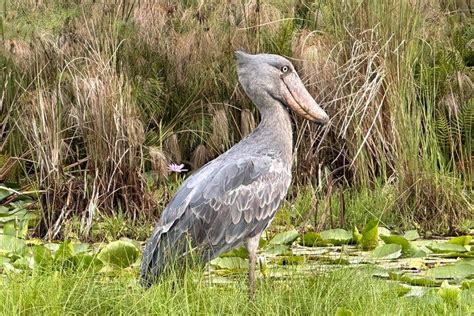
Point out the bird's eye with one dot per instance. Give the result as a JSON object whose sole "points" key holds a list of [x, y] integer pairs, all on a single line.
{"points": [[284, 69]]}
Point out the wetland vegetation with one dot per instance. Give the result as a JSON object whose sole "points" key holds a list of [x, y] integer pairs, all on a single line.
{"points": [[102, 101]]}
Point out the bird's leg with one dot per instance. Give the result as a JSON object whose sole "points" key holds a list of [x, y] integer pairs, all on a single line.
{"points": [[252, 246]]}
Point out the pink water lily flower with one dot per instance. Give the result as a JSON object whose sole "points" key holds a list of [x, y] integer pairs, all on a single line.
{"points": [[176, 168]]}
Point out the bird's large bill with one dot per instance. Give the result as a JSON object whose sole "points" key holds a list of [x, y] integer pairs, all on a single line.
{"points": [[300, 101]]}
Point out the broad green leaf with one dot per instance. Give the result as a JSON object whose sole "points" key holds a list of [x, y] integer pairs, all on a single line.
{"points": [[42, 257], [407, 248], [240, 252], [24, 263], [356, 235], [230, 263], [461, 240], [277, 250], [80, 247], [388, 251], [119, 253], [84, 261], [411, 235], [413, 279], [9, 229], [446, 248], [12, 244], [469, 254], [4, 210], [459, 270], [336, 236], [65, 251], [52, 246], [291, 260], [309, 239], [370, 235], [285, 238], [384, 231]]}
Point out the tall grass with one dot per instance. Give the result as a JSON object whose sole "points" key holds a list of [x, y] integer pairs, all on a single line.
{"points": [[81, 293], [98, 95]]}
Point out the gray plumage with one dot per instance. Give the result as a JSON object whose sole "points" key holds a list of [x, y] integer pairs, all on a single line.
{"points": [[233, 198]]}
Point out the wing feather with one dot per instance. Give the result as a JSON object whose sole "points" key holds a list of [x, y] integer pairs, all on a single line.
{"points": [[219, 207]]}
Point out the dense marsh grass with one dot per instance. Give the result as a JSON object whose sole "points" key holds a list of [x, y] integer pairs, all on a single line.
{"points": [[100, 96], [63, 293]]}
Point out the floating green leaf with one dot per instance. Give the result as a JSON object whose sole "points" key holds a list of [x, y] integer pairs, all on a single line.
{"points": [[42, 257], [461, 240], [413, 279], [310, 239], [285, 238], [84, 261], [370, 235], [411, 235], [446, 247], [459, 270], [64, 252], [277, 250], [336, 236], [230, 263], [240, 252], [9, 229], [80, 247], [387, 251], [120, 253], [11, 244], [407, 248]]}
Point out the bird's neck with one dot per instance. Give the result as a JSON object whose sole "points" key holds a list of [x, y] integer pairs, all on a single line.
{"points": [[274, 132]]}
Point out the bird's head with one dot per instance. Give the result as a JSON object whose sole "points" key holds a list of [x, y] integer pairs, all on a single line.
{"points": [[267, 75]]}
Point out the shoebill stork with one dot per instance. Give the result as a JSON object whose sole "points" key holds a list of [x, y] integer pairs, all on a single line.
{"points": [[232, 199]]}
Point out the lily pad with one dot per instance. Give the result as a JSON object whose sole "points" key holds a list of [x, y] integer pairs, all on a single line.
{"points": [[461, 240], [230, 263], [370, 235], [285, 238], [454, 271], [446, 247], [407, 248], [413, 279], [387, 251], [240, 252], [42, 257], [277, 250], [84, 261], [411, 235], [310, 239], [119, 253], [336, 236], [11, 244]]}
